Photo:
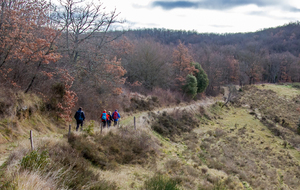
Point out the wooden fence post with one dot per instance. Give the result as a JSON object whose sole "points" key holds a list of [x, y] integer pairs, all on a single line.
{"points": [[31, 141], [134, 122], [69, 130]]}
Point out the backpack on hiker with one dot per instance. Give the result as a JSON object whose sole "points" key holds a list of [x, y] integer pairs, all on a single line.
{"points": [[115, 115], [103, 116], [79, 117]]}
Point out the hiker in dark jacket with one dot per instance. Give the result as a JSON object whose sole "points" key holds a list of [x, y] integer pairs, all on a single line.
{"points": [[104, 118], [109, 119], [116, 117], [80, 117]]}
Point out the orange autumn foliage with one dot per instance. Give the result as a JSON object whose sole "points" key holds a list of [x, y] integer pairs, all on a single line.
{"points": [[70, 97], [26, 36], [116, 72], [182, 63], [122, 47], [234, 69]]}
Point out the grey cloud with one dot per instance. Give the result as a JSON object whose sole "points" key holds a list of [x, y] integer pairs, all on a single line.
{"points": [[258, 13], [174, 4], [221, 26], [212, 4], [294, 9], [135, 24], [278, 17]]}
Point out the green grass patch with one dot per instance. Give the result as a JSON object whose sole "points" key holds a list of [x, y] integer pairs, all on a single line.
{"points": [[35, 160]]}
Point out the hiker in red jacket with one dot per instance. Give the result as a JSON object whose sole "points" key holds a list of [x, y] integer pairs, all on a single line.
{"points": [[116, 117], [104, 117], [109, 119]]}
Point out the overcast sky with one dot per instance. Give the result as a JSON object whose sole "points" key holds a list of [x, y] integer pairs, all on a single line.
{"points": [[205, 16], [217, 16]]}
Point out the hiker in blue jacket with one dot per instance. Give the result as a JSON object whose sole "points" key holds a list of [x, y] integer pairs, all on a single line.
{"points": [[116, 117], [80, 117], [104, 118]]}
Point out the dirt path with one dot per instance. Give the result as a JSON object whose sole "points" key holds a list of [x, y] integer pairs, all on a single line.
{"points": [[192, 107], [141, 121]]}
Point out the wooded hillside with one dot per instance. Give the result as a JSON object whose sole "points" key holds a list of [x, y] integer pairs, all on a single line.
{"points": [[69, 54]]}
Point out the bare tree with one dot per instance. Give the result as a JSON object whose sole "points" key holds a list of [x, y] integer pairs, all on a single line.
{"points": [[82, 20], [232, 93], [148, 65]]}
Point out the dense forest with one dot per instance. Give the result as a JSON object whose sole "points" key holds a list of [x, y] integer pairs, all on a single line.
{"points": [[70, 55]]}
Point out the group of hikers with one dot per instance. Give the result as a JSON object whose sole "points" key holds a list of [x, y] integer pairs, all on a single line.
{"points": [[106, 118]]}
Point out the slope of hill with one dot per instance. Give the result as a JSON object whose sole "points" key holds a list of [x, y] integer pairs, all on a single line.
{"points": [[200, 146]]}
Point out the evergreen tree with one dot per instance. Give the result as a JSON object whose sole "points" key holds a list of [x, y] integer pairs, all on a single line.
{"points": [[190, 86], [202, 79]]}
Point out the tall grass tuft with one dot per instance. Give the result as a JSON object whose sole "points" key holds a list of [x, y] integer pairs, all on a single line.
{"points": [[160, 182], [35, 161]]}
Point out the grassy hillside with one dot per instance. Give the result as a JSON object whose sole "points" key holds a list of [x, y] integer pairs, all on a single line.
{"points": [[245, 145]]}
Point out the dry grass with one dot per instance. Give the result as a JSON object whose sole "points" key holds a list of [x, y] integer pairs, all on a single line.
{"points": [[35, 180], [267, 104], [173, 125], [128, 177], [64, 169], [231, 149], [242, 146], [125, 146], [281, 90], [21, 112]]}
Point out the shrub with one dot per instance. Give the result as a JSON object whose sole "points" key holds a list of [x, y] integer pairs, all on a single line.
{"points": [[174, 124], [143, 104], [126, 146], [34, 160], [202, 79], [160, 182], [296, 85], [190, 86], [90, 128], [221, 104]]}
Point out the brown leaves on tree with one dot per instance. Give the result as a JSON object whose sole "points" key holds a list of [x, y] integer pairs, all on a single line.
{"points": [[182, 63], [26, 36], [233, 70], [70, 97], [114, 78], [122, 47]]}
